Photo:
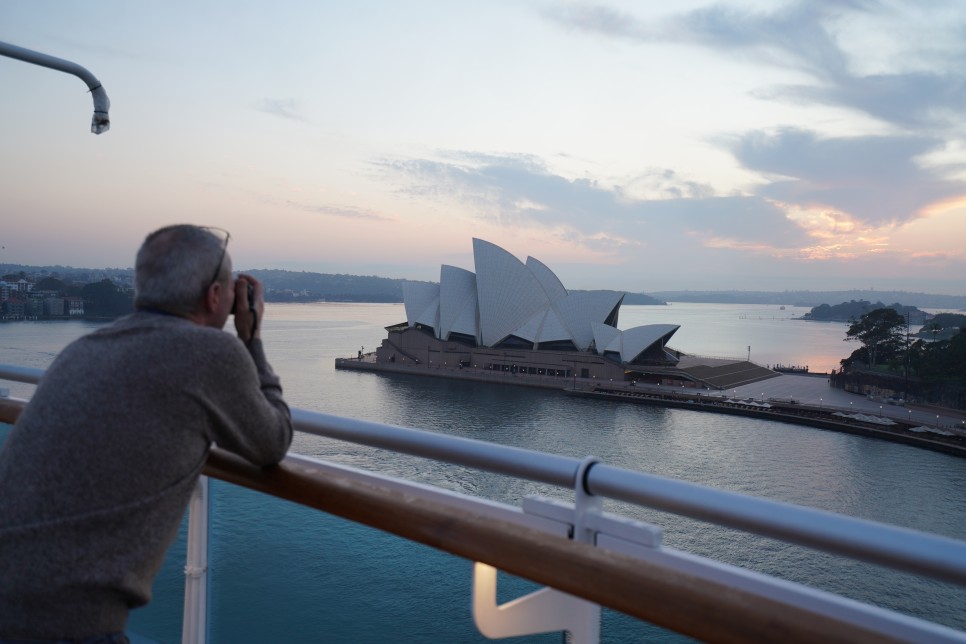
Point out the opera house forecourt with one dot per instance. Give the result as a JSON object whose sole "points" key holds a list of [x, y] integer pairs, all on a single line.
{"points": [[516, 323]]}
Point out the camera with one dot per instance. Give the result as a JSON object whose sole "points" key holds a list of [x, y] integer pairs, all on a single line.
{"points": [[250, 296]]}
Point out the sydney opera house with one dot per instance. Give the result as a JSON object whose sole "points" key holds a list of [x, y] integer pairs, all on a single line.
{"points": [[518, 318], [516, 322]]}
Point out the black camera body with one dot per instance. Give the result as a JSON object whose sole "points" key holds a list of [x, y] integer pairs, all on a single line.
{"points": [[250, 296]]}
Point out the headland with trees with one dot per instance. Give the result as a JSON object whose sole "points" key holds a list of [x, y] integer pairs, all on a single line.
{"points": [[928, 367]]}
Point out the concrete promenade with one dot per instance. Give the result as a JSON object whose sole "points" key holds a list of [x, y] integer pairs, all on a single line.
{"points": [[815, 391], [805, 390]]}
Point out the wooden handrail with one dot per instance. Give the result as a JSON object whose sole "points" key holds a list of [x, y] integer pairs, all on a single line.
{"points": [[684, 603], [10, 409]]}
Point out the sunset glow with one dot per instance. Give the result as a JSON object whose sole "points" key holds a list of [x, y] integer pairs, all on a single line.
{"points": [[702, 145]]}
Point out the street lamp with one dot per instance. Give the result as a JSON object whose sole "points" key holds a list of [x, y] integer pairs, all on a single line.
{"points": [[100, 123]]}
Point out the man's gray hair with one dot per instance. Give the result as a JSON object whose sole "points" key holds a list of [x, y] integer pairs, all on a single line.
{"points": [[175, 266]]}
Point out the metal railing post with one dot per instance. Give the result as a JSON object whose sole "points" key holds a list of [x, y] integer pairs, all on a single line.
{"points": [[194, 628]]}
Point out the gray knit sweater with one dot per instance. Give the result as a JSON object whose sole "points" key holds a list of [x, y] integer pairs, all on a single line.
{"points": [[96, 474]]}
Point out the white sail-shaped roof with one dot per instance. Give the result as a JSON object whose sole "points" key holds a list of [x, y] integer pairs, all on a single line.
{"points": [[580, 310], [548, 280], [640, 338], [457, 302], [508, 292], [421, 300], [468, 323], [606, 338], [530, 330], [506, 297], [553, 329], [630, 344]]}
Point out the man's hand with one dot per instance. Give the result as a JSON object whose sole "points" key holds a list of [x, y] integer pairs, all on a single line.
{"points": [[248, 314]]}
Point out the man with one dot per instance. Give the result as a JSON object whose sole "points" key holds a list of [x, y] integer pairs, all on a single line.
{"points": [[97, 472]]}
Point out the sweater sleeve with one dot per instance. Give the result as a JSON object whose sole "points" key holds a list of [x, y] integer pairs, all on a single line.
{"points": [[247, 413]]}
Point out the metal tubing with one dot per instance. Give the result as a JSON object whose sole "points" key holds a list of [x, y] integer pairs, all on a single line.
{"points": [[673, 597], [194, 624], [100, 123], [503, 459], [925, 554], [20, 374], [901, 548]]}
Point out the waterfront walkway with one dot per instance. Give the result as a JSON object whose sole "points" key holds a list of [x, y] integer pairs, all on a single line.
{"points": [[808, 399], [815, 390]]}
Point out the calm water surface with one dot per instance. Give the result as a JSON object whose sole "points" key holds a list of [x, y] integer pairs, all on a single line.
{"points": [[281, 569]]}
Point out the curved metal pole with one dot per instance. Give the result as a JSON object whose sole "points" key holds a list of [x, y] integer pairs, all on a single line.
{"points": [[100, 123]]}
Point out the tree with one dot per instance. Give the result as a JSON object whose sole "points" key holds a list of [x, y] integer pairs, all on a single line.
{"points": [[105, 300], [945, 359], [880, 332], [50, 284]]}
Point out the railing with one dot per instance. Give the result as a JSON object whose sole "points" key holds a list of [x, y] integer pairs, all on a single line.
{"points": [[100, 122], [591, 558]]}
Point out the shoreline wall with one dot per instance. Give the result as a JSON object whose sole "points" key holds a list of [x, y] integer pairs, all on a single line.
{"points": [[798, 414]]}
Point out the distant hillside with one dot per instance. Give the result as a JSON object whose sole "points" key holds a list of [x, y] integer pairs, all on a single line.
{"points": [[814, 298], [301, 286], [849, 311], [640, 298], [943, 326], [637, 299], [295, 286]]}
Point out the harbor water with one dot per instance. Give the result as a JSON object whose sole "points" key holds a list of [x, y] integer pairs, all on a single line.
{"points": [[280, 572]]}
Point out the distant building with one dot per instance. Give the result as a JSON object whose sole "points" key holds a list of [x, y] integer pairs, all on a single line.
{"points": [[74, 306], [13, 308], [10, 287], [34, 307], [54, 306]]}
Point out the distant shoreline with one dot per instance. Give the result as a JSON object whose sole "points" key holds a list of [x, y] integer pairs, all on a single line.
{"points": [[824, 417], [820, 418]]}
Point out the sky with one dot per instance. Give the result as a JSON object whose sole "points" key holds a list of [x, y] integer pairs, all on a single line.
{"points": [[628, 145]]}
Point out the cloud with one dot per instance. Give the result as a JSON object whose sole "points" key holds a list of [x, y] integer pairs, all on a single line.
{"points": [[515, 190], [794, 34], [870, 180], [329, 210], [928, 87], [664, 183], [914, 99], [598, 19], [346, 212], [875, 179], [283, 108]]}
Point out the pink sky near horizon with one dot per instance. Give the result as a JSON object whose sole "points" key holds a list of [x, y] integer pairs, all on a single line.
{"points": [[702, 146]]}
